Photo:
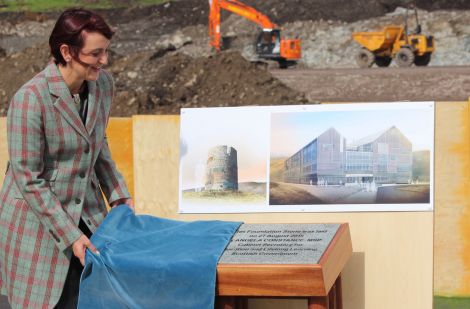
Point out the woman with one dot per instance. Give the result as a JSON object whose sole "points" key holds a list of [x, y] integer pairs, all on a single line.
{"points": [[51, 199]]}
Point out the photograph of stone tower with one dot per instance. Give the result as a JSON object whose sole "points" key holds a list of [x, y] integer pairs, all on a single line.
{"points": [[223, 161], [222, 169]]}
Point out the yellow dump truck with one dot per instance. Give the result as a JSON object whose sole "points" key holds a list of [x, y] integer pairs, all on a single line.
{"points": [[394, 42]]}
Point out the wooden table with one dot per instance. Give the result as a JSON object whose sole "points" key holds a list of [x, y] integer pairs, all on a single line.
{"points": [[319, 283]]}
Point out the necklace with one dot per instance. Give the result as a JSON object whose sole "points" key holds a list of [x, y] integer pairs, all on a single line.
{"points": [[76, 98]]}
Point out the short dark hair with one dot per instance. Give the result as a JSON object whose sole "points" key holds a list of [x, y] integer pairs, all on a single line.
{"points": [[69, 30]]}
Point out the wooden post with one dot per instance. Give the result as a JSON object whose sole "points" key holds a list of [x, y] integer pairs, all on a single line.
{"points": [[241, 303], [339, 293], [226, 302], [318, 302], [332, 297]]}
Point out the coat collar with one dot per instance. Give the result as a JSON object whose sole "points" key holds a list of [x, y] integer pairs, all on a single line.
{"points": [[65, 104]]}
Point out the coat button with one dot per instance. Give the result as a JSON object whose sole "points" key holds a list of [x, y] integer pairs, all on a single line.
{"points": [[88, 221], [82, 175], [78, 201], [87, 150], [54, 236]]}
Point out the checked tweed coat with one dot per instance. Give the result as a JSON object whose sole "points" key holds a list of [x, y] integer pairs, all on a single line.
{"points": [[57, 167]]}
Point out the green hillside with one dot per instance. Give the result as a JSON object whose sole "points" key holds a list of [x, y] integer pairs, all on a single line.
{"points": [[57, 5], [276, 168]]}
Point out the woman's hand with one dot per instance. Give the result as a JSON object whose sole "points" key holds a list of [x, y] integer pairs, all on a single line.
{"points": [[128, 201], [79, 247]]}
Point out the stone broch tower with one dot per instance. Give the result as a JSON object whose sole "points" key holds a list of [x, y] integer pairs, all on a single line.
{"points": [[222, 169]]}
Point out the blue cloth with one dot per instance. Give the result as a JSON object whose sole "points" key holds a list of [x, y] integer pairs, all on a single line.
{"points": [[149, 262]]}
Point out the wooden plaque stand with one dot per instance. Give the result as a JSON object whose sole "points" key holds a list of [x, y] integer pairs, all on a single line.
{"points": [[319, 283]]}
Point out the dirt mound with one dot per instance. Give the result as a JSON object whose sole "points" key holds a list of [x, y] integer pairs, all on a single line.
{"points": [[166, 84], [18, 68], [161, 82]]}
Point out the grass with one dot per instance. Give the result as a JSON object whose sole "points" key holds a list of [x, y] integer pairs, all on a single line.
{"points": [[441, 302], [276, 169], [58, 5], [285, 194], [224, 196]]}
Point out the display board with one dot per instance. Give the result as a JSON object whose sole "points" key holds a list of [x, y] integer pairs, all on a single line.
{"points": [[307, 158]]}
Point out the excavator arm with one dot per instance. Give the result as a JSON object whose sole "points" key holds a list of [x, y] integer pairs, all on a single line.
{"points": [[238, 8], [269, 44]]}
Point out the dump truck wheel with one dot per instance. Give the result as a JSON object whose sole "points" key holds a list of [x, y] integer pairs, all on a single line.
{"points": [[405, 57], [365, 58], [423, 60], [383, 61]]}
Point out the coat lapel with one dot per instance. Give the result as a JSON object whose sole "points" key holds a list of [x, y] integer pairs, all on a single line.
{"points": [[64, 101], [93, 105]]}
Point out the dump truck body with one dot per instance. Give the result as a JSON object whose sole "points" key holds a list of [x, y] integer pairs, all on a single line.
{"points": [[379, 40]]}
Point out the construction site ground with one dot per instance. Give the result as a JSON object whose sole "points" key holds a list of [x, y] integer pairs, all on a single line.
{"points": [[161, 60], [380, 84]]}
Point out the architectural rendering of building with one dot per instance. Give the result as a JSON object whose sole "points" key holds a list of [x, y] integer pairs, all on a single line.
{"points": [[384, 157]]}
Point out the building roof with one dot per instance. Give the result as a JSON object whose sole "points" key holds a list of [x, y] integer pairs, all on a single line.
{"points": [[325, 132], [370, 138]]}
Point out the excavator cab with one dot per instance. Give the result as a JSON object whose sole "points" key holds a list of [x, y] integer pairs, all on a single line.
{"points": [[269, 45]]}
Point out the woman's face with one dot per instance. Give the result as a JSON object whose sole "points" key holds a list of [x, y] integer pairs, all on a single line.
{"points": [[92, 56]]}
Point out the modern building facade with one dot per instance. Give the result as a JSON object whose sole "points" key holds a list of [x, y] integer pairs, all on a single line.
{"points": [[222, 169], [384, 157]]}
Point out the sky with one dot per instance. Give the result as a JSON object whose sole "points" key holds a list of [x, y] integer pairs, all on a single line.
{"points": [[293, 130], [246, 130]]}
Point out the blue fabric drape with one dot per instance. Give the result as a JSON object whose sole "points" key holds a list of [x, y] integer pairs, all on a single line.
{"points": [[149, 262]]}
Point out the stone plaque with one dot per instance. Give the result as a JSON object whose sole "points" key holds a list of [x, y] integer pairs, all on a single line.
{"points": [[279, 243]]}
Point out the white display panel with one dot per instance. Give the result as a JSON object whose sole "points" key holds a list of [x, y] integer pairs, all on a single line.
{"points": [[307, 158]]}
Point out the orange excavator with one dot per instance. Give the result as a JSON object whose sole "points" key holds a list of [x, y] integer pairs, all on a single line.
{"points": [[269, 44]]}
